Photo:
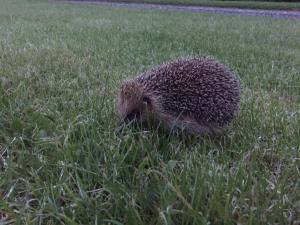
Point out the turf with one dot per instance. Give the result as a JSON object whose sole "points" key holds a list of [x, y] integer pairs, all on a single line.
{"points": [[278, 5], [61, 161]]}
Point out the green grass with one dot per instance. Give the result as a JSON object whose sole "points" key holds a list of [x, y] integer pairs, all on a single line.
{"points": [[278, 5], [60, 160]]}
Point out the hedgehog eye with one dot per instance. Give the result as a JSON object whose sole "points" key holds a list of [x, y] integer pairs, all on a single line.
{"points": [[146, 100]]}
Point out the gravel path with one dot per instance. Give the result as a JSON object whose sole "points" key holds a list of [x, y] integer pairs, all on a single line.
{"points": [[199, 9]]}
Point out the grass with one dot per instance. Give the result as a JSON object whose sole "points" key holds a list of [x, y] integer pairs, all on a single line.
{"points": [[60, 160], [278, 5]]}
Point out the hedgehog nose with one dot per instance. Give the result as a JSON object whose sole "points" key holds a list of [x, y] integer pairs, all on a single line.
{"points": [[120, 126], [120, 123]]}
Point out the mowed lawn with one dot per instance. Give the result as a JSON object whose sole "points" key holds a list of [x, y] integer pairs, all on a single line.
{"points": [[61, 162]]}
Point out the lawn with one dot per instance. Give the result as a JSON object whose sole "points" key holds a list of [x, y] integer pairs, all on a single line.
{"points": [[61, 162], [278, 5]]}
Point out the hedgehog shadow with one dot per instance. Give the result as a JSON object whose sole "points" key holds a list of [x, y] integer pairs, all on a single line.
{"points": [[159, 132]]}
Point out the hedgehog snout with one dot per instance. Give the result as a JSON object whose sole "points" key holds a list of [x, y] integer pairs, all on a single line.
{"points": [[134, 114], [137, 111]]}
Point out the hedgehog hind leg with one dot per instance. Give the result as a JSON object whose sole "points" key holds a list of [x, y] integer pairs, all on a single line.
{"points": [[191, 126]]}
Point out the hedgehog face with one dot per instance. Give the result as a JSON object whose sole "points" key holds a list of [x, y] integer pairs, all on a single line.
{"points": [[132, 103]]}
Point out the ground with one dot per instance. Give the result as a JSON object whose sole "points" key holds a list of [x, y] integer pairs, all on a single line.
{"points": [[256, 4], [61, 161]]}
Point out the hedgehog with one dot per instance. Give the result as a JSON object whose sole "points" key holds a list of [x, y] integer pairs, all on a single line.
{"points": [[197, 95]]}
